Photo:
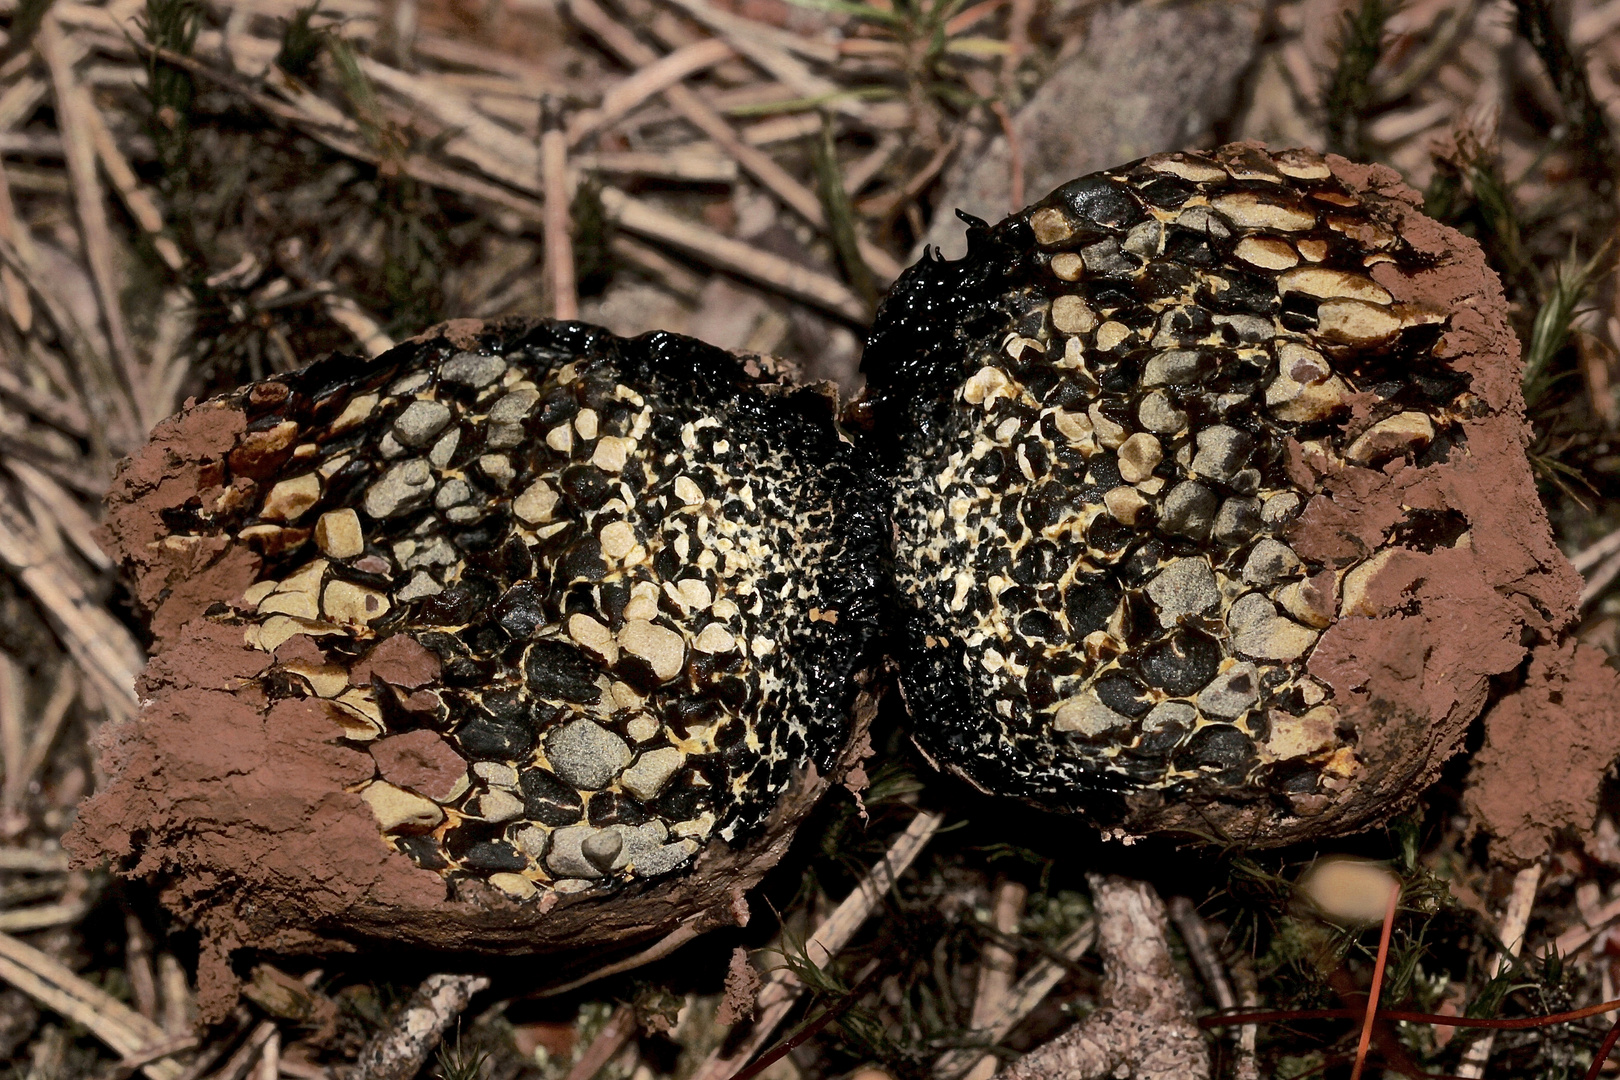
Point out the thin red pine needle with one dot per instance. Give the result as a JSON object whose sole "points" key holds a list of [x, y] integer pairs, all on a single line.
{"points": [[1515, 1024], [1377, 982], [1604, 1050]]}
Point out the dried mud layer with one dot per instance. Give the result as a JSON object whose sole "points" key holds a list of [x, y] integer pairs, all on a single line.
{"points": [[1213, 507], [518, 636]]}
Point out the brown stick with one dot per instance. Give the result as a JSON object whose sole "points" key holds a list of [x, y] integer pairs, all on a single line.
{"points": [[558, 228], [39, 746], [321, 130], [733, 255], [15, 290], [78, 146], [124, 1030], [607, 1044], [1145, 1028], [996, 967], [138, 966], [652, 79], [1023, 999], [781, 991], [628, 48], [399, 1052], [1521, 901], [136, 199], [1201, 948], [101, 647]]}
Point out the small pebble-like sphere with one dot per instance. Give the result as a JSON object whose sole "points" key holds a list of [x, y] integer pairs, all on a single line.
{"points": [[1095, 423]]}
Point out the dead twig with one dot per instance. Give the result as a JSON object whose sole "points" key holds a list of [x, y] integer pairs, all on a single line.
{"points": [[1511, 935], [342, 309], [138, 965], [124, 1030], [1030, 991], [1145, 1027], [32, 861], [997, 965], [65, 689], [78, 143], [649, 81], [98, 643], [399, 1051], [1206, 958], [242, 1060], [72, 518], [781, 991], [734, 256], [629, 49], [14, 289], [607, 1044], [136, 199], [336, 135], [559, 202]]}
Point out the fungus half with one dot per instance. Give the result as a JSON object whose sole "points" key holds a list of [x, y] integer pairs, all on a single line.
{"points": [[1212, 507], [510, 613]]}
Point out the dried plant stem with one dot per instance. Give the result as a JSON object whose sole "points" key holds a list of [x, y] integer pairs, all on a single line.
{"points": [[629, 49], [399, 1051], [138, 966], [1206, 958], [13, 703], [307, 116], [25, 920], [12, 286], [558, 227], [695, 163], [497, 151], [136, 199], [78, 145], [343, 310], [1145, 1027], [782, 990], [771, 49], [1450, 29], [1511, 934], [70, 516], [650, 80], [997, 965], [1599, 580], [656, 951], [1589, 140], [100, 645], [126, 1031], [607, 1044], [65, 689], [176, 991], [60, 413], [1596, 552], [270, 1058], [1030, 991], [245, 1056], [33, 861], [731, 255]]}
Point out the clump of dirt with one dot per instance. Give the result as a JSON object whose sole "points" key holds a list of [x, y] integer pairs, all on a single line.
{"points": [[1548, 746], [243, 805]]}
